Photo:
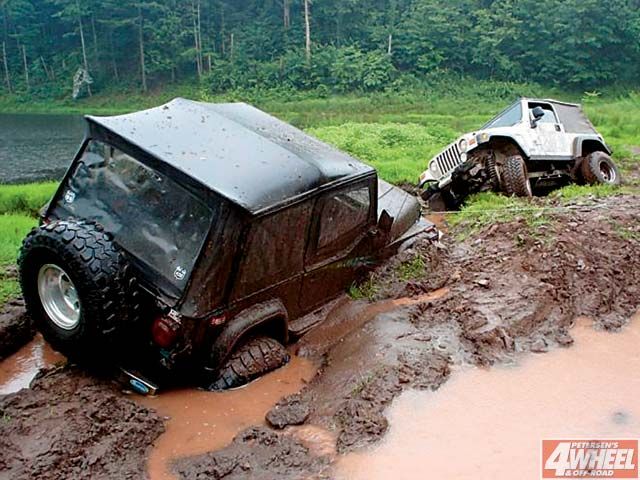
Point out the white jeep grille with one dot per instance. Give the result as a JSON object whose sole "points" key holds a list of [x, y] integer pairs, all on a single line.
{"points": [[449, 159]]}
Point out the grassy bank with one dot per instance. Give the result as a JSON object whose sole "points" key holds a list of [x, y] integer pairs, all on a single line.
{"points": [[19, 205]]}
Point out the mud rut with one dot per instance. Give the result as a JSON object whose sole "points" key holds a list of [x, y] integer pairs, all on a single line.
{"points": [[505, 291]]}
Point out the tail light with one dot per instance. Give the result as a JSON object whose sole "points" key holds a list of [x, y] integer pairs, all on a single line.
{"points": [[164, 331]]}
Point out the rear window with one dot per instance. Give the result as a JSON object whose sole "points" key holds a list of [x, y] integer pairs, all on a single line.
{"points": [[156, 220]]}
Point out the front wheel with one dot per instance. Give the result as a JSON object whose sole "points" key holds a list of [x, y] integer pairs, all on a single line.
{"points": [[515, 178], [597, 167], [77, 289], [253, 358]]}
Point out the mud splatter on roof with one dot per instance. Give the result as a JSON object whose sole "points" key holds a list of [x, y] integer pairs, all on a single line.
{"points": [[244, 154]]}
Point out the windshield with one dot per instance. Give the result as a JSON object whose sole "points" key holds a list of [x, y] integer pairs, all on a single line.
{"points": [[157, 221], [507, 118]]}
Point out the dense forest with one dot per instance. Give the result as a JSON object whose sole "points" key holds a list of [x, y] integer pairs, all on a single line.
{"points": [[331, 45]]}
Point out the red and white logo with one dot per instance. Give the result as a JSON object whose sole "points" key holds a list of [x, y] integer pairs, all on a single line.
{"points": [[590, 459]]}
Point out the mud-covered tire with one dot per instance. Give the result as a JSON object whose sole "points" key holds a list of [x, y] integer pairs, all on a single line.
{"points": [[253, 358], [440, 201], [597, 167], [515, 178], [105, 289]]}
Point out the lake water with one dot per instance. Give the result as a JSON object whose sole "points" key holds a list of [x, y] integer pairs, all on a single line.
{"points": [[37, 147]]}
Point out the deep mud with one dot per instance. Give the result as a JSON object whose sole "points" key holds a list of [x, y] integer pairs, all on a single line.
{"points": [[504, 291], [257, 453], [486, 299], [69, 425]]}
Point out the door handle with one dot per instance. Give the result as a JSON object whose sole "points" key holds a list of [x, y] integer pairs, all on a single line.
{"points": [[558, 128]]}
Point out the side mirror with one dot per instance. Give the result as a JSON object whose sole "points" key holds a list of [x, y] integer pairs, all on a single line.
{"points": [[386, 222], [538, 113]]}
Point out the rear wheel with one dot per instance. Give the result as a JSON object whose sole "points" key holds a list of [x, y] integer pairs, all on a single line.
{"points": [[77, 289], [251, 359], [597, 167], [515, 178]]}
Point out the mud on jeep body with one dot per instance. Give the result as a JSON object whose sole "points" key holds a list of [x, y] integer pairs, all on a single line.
{"points": [[190, 237], [531, 145]]}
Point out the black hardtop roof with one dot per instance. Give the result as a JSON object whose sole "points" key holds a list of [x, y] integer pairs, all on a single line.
{"points": [[240, 152]]}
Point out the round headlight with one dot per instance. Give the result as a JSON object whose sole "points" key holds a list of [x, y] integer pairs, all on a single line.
{"points": [[462, 145]]}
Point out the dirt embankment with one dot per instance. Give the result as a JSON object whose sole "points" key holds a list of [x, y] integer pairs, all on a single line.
{"points": [[69, 425], [16, 328], [509, 289]]}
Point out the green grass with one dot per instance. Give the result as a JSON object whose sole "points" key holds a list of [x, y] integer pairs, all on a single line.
{"points": [[366, 290], [412, 269], [27, 198], [13, 228], [571, 192], [484, 209], [399, 152]]}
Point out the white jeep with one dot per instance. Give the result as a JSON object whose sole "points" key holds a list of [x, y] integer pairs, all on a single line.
{"points": [[533, 144]]}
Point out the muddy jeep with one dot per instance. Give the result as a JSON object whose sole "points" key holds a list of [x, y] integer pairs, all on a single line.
{"points": [[531, 145], [196, 238]]}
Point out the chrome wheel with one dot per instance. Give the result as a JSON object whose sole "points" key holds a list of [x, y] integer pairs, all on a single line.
{"points": [[59, 296], [608, 173]]}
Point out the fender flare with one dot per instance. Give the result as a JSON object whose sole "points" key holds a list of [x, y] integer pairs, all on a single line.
{"points": [[271, 312], [578, 144], [509, 139]]}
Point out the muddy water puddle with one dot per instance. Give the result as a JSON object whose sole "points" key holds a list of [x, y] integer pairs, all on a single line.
{"points": [[488, 423], [17, 371], [200, 421]]}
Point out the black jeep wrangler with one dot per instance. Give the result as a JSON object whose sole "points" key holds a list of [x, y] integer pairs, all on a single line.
{"points": [[195, 237]]}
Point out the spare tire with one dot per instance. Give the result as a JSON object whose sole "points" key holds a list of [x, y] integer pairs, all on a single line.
{"points": [[253, 358], [78, 289], [515, 178], [597, 167]]}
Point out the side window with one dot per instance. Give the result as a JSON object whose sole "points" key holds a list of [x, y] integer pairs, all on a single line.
{"points": [[274, 249], [549, 116], [343, 213]]}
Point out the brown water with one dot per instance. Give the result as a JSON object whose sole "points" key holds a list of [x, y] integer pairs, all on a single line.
{"points": [[202, 421], [489, 423], [17, 371]]}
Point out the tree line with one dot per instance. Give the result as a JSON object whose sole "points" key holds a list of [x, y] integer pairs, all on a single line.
{"points": [[336, 45]]}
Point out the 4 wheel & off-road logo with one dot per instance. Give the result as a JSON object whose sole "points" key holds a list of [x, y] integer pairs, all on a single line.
{"points": [[590, 458]]}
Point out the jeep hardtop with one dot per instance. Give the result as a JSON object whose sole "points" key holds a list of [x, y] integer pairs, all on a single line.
{"points": [[195, 237], [532, 144]]}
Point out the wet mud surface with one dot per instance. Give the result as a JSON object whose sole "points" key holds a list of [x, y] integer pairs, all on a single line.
{"points": [[71, 425], [17, 371], [484, 300], [16, 328], [439, 432], [198, 421], [503, 292]]}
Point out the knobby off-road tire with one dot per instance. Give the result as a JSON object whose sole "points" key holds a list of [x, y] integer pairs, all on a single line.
{"points": [[597, 167], [251, 359], [515, 179], [82, 255]]}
